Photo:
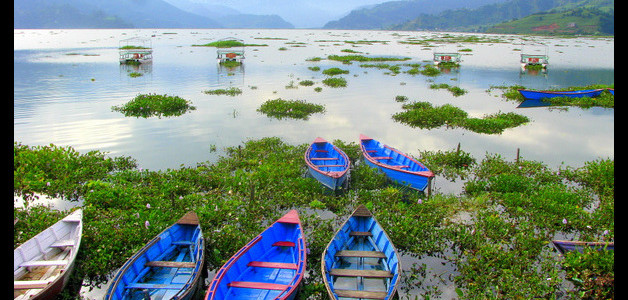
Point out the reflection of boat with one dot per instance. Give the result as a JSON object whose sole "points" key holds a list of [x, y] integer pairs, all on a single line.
{"points": [[566, 246], [533, 103], [360, 261], [529, 94], [43, 264], [398, 166], [327, 163], [168, 267], [271, 266]]}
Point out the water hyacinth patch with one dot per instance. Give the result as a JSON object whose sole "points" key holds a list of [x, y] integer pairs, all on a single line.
{"points": [[295, 109], [153, 105], [232, 91]]}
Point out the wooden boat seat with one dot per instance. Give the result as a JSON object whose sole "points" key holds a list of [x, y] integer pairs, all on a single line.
{"points": [[324, 151], [360, 273], [324, 158], [284, 244], [275, 265], [321, 166], [258, 285], [30, 284], [150, 286], [63, 243], [361, 294], [183, 243], [43, 263], [381, 157], [170, 264], [357, 253], [360, 233]]}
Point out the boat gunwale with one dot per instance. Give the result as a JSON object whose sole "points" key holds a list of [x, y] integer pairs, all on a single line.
{"points": [[324, 273], [567, 93]]}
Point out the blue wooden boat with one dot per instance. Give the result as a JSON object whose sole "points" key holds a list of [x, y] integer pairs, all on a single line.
{"points": [[168, 267], [398, 166], [566, 246], [612, 91], [529, 94], [271, 266], [327, 163], [361, 261]]}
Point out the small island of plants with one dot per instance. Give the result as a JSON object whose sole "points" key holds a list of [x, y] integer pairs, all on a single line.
{"points": [[295, 109], [153, 105]]}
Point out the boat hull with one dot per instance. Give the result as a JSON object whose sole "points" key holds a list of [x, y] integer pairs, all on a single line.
{"points": [[327, 163], [537, 95], [169, 266], [397, 166], [566, 246], [360, 261], [44, 274], [271, 266]]}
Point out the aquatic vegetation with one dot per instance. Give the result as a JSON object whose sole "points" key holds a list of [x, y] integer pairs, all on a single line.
{"points": [[151, 105], [349, 58], [228, 44], [456, 91], [295, 109], [315, 68], [230, 63], [135, 74], [502, 251], [429, 70], [335, 82], [232, 91], [335, 71], [306, 82], [401, 98], [314, 59], [426, 116]]}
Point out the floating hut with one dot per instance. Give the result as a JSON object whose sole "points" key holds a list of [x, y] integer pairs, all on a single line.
{"points": [[135, 51], [233, 53], [530, 58], [447, 58]]}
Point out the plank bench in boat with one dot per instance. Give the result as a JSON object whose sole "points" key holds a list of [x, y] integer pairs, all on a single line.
{"points": [[30, 284], [360, 233], [43, 263], [149, 286], [170, 264], [357, 253], [275, 265], [360, 273], [361, 294]]}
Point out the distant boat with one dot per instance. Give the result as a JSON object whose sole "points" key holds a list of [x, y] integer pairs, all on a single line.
{"points": [[327, 163], [530, 94], [398, 166], [168, 267], [360, 261], [43, 264], [566, 246], [271, 266]]}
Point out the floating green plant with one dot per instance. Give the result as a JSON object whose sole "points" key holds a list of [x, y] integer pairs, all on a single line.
{"points": [[230, 63], [295, 109], [335, 71], [348, 58], [228, 44], [232, 91], [135, 74], [424, 115], [456, 91], [335, 82], [153, 105], [306, 82]]}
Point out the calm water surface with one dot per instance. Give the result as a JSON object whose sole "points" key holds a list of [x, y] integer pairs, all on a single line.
{"points": [[66, 81]]}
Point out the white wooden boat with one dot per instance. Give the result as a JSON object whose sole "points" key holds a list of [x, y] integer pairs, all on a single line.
{"points": [[43, 264]]}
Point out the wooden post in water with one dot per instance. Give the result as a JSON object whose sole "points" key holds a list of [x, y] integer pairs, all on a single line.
{"points": [[458, 149], [517, 160]]}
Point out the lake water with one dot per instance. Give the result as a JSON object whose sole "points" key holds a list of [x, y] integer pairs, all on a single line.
{"points": [[66, 81]]}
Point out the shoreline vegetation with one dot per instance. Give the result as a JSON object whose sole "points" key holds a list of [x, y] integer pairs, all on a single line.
{"points": [[501, 250]]}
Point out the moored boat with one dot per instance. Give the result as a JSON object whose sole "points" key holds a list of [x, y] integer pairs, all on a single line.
{"points": [[327, 163], [398, 166], [43, 264], [565, 246], [360, 261], [271, 266], [168, 267], [530, 94]]}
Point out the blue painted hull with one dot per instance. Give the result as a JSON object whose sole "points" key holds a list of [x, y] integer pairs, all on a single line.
{"points": [[327, 163], [271, 266], [168, 266], [360, 259], [398, 166], [537, 95], [612, 91], [566, 246]]}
